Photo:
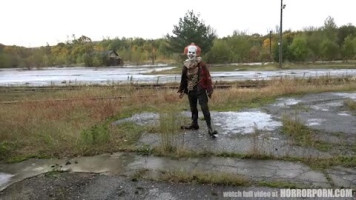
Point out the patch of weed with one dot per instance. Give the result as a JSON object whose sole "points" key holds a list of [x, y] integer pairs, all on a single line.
{"points": [[53, 174], [323, 146], [324, 163], [218, 178], [349, 103], [278, 184], [5, 149], [98, 134], [300, 133]]}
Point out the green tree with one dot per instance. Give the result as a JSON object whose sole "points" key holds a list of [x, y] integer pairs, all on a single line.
{"points": [[329, 46], [299, 48], [191, 29], [240, 46], [6, 60], [115, 45], [345, 31], [12, 56], [254, 53], [330, 29], [60, 52], [285, 51], [163, 48], [329, 50], [349, 48], [82, 50], [150, 48], [266, 50], [219, 53], [137, 55]]}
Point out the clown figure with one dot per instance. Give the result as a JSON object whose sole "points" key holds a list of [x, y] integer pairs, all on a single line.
{"points": [[197, 84]]}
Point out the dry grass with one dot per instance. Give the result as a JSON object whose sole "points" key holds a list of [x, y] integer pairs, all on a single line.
{"points": [[51, 128], [80, 125]]}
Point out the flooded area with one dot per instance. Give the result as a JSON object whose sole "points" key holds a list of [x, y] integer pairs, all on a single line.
{"points": [[141, 74], [79, 75]]}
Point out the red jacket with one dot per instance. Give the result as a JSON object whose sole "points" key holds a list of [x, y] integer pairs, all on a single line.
{"points": [[205, 81]]}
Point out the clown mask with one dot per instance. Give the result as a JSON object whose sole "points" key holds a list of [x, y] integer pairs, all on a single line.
{"points": [[192, 52]]}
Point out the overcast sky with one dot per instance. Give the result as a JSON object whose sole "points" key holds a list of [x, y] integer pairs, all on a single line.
{"points": [[38, 22]]}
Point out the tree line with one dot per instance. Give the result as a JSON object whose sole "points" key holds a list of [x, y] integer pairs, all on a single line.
{"points": [[83, 51], [326, 43]]}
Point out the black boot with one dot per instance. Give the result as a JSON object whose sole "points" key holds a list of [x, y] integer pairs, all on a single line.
{"points": [[193, 126], [212, 133]]}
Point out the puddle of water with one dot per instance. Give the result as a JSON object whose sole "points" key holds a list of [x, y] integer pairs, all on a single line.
{"points": [[245, 122], [228, 122], [145, 118], [314, 122], [347, 95], [284, 102], [105, 163], [319, 107], [344, 114], [327, 106], [5, 178]]}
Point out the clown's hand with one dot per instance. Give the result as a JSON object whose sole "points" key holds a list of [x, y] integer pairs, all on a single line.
{"points": [[210, 93], [181, 94]]}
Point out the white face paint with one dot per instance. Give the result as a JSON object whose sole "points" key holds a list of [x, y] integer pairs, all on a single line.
{"points": [[192, 52]]}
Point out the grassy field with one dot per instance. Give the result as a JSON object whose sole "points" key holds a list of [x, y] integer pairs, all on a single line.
{"points": [[65, 123]]}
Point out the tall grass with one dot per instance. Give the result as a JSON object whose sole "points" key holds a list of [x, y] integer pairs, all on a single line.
{"points": [[80, 125], [50, 128], [349, 103], [169, 123]]}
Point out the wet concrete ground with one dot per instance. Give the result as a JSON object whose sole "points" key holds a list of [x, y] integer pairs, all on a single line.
{"points": [[91, 186], [114, 172], [253, 131], [258, 131], [128, 164], [325, 112]]}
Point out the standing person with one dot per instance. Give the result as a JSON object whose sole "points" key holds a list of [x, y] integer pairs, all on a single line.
{"points": [[197, 84]]}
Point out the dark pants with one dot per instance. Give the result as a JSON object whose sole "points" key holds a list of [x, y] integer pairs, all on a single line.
{"points": [[193, 97]]}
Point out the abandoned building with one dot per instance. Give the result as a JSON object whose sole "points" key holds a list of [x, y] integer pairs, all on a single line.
{"points": [[112, 58]]}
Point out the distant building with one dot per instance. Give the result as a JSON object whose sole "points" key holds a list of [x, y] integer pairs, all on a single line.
{"points": [[112, 58]]}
